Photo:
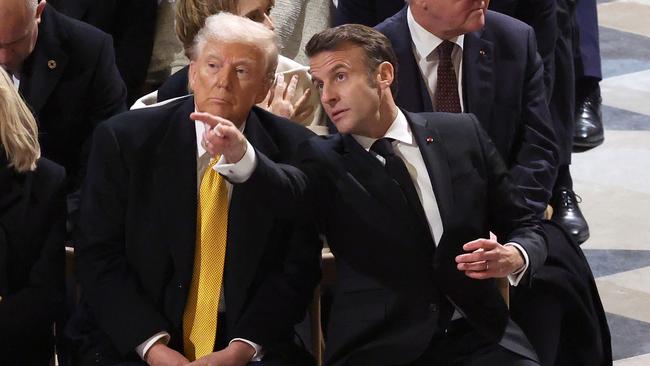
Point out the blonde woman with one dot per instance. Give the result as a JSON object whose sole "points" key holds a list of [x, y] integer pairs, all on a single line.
{"points": [[32, 234], [292, 96]]}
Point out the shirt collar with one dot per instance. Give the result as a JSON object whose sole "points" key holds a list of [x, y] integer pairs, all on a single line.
{"points": [[399, 130], [424, 41]]}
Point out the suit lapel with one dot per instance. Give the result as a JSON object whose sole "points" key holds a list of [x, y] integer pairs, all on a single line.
{"points": [[435, 159], [45, 66], [249, 228], [175, 188], [367, 171], [478, 76], [410, 96]]}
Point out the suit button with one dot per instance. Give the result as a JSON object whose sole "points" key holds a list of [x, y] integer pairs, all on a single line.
{"points": [[433, 307], [180, 285]]}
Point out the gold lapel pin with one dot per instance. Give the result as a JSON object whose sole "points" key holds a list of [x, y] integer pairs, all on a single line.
{"points": [[51, 64]]}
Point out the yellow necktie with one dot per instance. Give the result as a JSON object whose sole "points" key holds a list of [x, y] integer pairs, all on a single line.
{"points": [[200, 316]]}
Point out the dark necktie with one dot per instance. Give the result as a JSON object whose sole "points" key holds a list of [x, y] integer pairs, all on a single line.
{"points": [[447, 99], [397, 170]]}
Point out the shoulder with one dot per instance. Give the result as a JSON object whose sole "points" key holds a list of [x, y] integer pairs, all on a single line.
{"points": [[71, 32], [394, 26], [48, 178], [141, 124], [453, 129], [504, 28], [280, 127], [175, 85]]}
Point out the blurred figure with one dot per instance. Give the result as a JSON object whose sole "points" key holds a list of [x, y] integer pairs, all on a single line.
{"points": [[366, 12], [296, 21], [134, 25], [65, 70], [292, 95], [32, 234]]}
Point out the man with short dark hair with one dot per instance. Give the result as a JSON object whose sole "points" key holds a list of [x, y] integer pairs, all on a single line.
{"points": [[406, 202]]}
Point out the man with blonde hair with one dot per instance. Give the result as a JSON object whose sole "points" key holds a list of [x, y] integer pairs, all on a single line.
{"points": [[175, 262]]}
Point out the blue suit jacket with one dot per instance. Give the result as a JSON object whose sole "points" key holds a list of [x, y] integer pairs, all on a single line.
{"points": [[503, 86]]}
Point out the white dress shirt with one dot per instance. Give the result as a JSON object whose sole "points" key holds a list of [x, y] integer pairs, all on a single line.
{"points": [[202, 162], [427, 58]]}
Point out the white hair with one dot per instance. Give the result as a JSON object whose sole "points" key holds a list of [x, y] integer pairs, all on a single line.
{"points": [[229, 28]]}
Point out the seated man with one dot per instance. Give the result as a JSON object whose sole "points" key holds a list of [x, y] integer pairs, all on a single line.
{"points": [[406, 202], [174, 262], [65, 70]]}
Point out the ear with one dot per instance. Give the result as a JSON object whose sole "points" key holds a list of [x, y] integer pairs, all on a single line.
{"points": [[264, 90], [39, 11], [385, 75], [191, 76]]}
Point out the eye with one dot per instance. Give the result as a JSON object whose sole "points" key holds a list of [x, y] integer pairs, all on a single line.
{"points": [[318, 85], [340, 76]]}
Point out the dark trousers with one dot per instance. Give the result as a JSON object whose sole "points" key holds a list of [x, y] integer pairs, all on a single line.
{"points": [[461, 345]]}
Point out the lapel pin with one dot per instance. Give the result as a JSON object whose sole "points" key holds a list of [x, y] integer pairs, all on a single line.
{"points": [[51, 64], [482, 52], [429, 139]]}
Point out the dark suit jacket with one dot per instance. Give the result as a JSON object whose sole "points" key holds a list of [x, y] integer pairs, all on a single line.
{"points": [[503, 86], [393, 282], [175, 85], [135, 250], [541, 16], [132, 24], [71, 83], [32, 234], [366, 12]]}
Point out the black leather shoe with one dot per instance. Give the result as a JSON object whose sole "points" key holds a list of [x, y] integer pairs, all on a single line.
{"points": [[567, 213], [588, 129]]}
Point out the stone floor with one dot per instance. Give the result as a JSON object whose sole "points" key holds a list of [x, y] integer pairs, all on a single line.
{"points": [[614, 180]]}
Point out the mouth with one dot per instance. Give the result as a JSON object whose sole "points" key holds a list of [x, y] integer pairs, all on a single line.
{"points": [[221, 101], [336, 115]]}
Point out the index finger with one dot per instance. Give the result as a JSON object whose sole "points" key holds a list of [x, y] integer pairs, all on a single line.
{"points": [[480, 243], [208, 118]]}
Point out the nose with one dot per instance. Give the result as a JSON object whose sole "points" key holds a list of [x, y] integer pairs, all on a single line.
{"points": [[268, 22], [328, 96], [223, 77]]}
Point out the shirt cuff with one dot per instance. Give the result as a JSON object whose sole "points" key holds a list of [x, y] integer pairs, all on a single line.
{"points": [[259, 352], [515, 277], [142, 349], [240, 171]]}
